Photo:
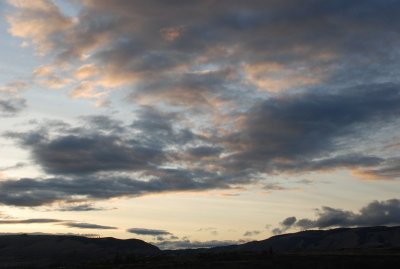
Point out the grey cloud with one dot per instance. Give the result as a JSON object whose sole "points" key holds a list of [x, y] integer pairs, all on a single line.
{"points": [[13, 87], [251, 233], [79, 225], [301, 129], [15, 166], [37, 192], [289, 221], [222, 33], [11, 107], [103, 144], [103, 123], [204, 151], [305, 129], [193, 90], [285, 225], [144, 231], [207, 58], [29, 221], [390, 169], [82, 225], [81, 207], [374, 214], [86, 154], [274, 187]]}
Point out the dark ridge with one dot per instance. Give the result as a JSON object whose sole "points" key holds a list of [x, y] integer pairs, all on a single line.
{"points": [[48, 249]]}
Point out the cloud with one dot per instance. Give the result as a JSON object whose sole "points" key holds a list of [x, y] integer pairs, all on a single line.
{"points": [[234, 92], [29, 221], [70, 224], [41, 22], [144, 231], [81, 207], [390, 169], [301, 132], [295, 133], [274, 45], [15, 166], [82, 151], [274, 187], [251, 233], [38, 192], [82, 225], [285, 225], [211, 230], [374, 214], [14, 87], [289, 221], [12, 106]]}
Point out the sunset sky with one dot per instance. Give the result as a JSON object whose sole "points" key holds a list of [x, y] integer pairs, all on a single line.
{"points": [[198, 123]]}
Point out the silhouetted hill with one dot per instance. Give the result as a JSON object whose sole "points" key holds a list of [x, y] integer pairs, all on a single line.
{"points": [[323, 241], [370, 247], [68, 249]]}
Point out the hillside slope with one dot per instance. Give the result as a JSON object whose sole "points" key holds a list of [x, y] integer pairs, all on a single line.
{"points": [[54, 248], [326, 240]]}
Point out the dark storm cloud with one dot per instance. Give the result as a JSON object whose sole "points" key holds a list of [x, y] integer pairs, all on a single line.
{"points": [[375, 213], [82, 225], [144, 231], [11, 107]]}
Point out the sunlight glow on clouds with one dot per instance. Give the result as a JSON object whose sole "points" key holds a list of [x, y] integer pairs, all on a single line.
{"points": [[200, 96]]}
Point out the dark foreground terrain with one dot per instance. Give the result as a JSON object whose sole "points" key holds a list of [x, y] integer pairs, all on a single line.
{"points": [[370, 247], [231, 260]]}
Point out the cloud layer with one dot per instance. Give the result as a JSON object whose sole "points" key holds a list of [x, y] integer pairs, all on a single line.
{"points": [[374, 214], [223, 94]]}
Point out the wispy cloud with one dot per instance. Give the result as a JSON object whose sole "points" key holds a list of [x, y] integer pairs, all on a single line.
{"points": [[82, 225], [144, 231]]}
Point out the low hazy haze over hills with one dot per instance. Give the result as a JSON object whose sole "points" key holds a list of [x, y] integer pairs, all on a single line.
{"points": [[198, 123]]}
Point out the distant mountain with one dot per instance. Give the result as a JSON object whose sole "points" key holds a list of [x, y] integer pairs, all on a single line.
{"points": [[70, 249], [323, 241]]}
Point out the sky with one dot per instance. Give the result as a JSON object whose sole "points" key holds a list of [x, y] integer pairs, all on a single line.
{"points": [[198, 123]]}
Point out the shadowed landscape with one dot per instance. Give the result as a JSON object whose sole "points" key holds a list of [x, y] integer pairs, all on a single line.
{"points": [[369, 247]]}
